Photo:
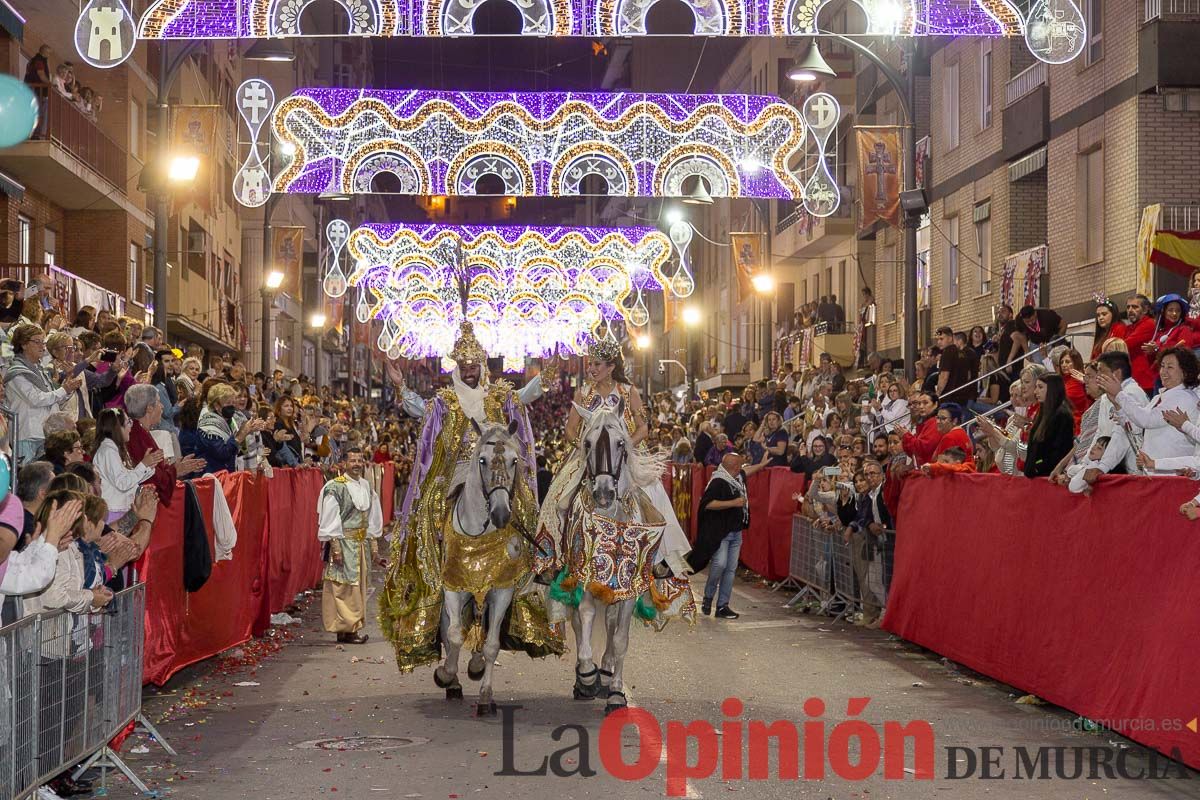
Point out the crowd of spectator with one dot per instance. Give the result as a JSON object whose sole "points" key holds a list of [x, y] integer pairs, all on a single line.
{"points": [[1015, 397], [63, 81], [101, 418]]}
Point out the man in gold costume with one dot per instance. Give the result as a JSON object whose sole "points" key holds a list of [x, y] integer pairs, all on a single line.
{"points": [[410, 608]]}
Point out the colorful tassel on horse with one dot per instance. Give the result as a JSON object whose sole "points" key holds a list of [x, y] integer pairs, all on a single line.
{"points": [[571, 595], [644, 610], [602, 592]]}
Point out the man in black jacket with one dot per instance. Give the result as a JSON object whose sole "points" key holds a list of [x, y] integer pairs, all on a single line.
{"points": [[724, 514]]}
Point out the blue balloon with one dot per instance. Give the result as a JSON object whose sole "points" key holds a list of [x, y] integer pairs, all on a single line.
{"points": [[5, 478], [18, 111]]}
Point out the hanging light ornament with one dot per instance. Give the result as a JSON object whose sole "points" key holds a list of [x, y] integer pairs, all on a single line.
{"points": [[336, 232], [362, 307], [1055, 31], [639, 315], [682, 283]]}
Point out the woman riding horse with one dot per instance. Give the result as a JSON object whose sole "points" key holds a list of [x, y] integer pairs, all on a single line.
{"points": [[605, 510]]}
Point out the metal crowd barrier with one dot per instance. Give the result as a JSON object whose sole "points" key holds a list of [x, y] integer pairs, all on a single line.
{"points": [[69, 683], [822, 566]]}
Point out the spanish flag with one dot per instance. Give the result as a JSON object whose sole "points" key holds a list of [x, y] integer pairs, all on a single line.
{"points": [[1176, 251]]}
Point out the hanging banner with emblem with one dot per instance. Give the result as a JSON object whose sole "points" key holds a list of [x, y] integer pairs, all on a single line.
{"points": [[748, 251], [287, 253], [879, 174], [194, 134]]}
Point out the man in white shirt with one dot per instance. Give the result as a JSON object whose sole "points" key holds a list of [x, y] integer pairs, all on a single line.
{"points": [[1161, 440], [1115, 366], [350, 523]]}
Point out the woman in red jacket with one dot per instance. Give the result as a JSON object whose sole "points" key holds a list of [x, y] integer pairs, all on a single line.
{"points": [[1070, 367], [1171, 329]]}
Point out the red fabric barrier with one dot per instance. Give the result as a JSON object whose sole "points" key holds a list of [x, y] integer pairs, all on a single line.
{"points": [[294, 554], [183, 628], [1087, 602], [766, 546]]}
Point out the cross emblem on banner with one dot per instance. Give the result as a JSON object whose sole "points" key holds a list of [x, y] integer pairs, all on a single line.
{"points": [[254, 99], [880, 164]]}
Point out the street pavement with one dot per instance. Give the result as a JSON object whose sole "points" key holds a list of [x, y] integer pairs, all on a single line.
{"points": [[270, 741]]}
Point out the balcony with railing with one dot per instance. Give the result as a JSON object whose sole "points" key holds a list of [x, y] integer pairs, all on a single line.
{"points": [[1025, 83], [1026, 116], [69, 159], [65, 291], [1167, 45], [1171, 9]]}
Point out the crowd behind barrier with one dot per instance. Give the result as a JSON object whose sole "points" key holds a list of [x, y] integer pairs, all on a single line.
{"points": [[1057, 594], [71, 682], [277, 556]]}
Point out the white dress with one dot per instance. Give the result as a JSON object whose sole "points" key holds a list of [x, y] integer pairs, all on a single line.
{"points": [[674, 545]]}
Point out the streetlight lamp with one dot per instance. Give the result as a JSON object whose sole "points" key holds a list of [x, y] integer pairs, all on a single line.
{"points": [[691, 318], [905, 88]]}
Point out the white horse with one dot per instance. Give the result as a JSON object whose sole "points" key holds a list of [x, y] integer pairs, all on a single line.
{"points": [[486, 486], [612, 472]]}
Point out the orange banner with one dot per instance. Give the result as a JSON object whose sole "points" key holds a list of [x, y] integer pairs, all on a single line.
{"points": [[334, 313], [748, 249], [287, 254], [879, 174], [194, 134]]}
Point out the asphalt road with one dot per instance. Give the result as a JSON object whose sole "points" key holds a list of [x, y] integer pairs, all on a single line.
{"points": [[260, 741]]}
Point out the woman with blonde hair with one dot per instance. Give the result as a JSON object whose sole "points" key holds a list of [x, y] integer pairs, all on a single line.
{"points": [[219, 443]]}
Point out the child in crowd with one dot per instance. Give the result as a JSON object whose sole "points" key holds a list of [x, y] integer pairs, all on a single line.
{"points": [[1075, 472], [948, 462]]}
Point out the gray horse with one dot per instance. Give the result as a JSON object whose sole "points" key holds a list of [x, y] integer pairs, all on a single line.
{"points": [[485, 485]]}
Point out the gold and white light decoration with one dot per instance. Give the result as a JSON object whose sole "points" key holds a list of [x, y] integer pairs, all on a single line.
{"points": [[542, 144], [1052, 37], [529, 291]]}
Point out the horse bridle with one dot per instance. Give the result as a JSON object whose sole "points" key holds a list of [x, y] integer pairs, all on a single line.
{"points": [[488, 492], [605, 467]]}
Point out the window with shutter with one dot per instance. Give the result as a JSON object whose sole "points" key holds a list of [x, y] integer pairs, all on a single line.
{"points": [[950, 106], [1090, 204], [985, 84]]}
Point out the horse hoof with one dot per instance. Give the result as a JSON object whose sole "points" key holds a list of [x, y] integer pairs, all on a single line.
{"points": [[476, 673], [485, 710], [454, 693], [610, 706], [440, 681]]}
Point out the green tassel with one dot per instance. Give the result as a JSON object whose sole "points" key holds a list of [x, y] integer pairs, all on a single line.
{"points": [[571, 599], [645, 610]]}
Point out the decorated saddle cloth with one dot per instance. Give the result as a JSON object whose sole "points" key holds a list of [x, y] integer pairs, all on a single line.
{"points": [[614, 561], [497, 560]]}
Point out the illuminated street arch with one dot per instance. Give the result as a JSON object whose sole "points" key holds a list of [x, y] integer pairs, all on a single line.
{"points": [[1055, 30], [528, 290], [539, 144]]}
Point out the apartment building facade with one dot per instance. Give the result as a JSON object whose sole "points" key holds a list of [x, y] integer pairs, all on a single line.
{"points": [[1029, 155]]}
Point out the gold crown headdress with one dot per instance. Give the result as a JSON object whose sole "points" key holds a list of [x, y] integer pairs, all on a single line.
{"points": [[605, 349], [468, 350]]}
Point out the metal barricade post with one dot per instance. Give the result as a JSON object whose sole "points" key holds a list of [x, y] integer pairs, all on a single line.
{"points": [[69, 683]]}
